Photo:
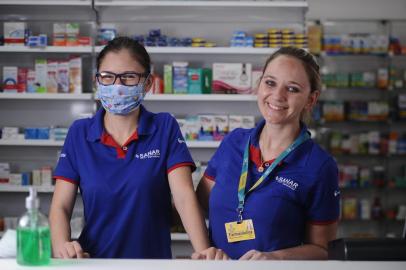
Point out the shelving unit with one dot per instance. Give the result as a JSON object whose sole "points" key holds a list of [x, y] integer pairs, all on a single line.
{"points": [[215, 20]]}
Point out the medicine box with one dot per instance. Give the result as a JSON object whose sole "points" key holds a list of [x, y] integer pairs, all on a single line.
{"points": [[14, 33], [22, 80], [168, 79], [220, 127], [63, 77], [59, 34], [36, 177], [4, 172], [234, 121], [195, 81], [31, 75], [192, 127], [232, 78], [75, 75], [206, 127], [180, 77], [10, 77], [72, 34], [248, 121], [41, 75], [52, 72]]}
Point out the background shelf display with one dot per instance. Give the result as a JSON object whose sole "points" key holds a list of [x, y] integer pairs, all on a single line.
{"points": [[215, 20]]}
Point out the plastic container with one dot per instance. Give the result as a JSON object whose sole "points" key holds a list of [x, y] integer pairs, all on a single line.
{"points": [[33, 235]]}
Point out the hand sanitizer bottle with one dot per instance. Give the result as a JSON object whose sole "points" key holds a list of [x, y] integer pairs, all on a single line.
{"points": [[33, 235]]}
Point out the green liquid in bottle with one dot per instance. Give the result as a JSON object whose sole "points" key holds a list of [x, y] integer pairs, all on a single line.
{"points": [[33, 246]]}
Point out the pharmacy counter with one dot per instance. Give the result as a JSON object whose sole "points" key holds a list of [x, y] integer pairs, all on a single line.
{"points": [[10, 264]]}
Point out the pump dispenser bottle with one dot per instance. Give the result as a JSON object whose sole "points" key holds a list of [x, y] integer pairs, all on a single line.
{"points": [[33, 235]]}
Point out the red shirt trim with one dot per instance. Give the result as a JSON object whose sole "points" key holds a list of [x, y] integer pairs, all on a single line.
{"points": [[255, 157], [108, 140], [323, 222], [209, 177], [183, 164], [65, 179]]}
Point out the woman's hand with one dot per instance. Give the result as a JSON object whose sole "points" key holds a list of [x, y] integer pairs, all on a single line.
{"points": [[210, 254], [70, 250], [258, 255]]}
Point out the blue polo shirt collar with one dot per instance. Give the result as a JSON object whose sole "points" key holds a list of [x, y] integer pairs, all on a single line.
{"points": [[299, 156], [146, 125]]}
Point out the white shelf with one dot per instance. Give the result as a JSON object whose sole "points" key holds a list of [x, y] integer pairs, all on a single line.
{"points": [[30, 143], [200, 97], [51, 143], [15, 188], [48, 49], [47, 2], [284, 4], [203, 144], [57, 96], [179, 237], [203, 50]]}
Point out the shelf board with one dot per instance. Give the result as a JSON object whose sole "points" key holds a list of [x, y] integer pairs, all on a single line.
{"points": [[30, 143], [55, 96], [51, 143], [287, 4], [203, 50], [200, 97], [179, 237], [15, 188], [47, 2], [47, 49]]}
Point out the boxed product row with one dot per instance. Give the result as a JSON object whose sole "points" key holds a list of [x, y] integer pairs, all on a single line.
{"points": [[383, 78], [371, 142], [354, 176], [209, 127], [154, 38], [353, 209], [335, 111], [223, 78], [64, 34], [273, 38], [356, 44], [51, 76], [38, 177], [34, 133]]}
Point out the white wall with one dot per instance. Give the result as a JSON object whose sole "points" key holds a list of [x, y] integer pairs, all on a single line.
{"points": [[357, 9]]}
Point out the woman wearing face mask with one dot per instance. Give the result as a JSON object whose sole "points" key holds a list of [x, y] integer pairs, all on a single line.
{"points": [[273, 191], [127, 162]]}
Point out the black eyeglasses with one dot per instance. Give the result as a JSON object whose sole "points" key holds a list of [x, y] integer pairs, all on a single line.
{"points": [[126, 78]]}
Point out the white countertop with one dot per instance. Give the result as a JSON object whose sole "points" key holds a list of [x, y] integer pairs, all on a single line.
{"points": [[100, 264]]}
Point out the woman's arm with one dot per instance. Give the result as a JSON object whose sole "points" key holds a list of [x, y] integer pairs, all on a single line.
{"points": [[60, 214], [203, 192], [315, 248], [180, 182]]}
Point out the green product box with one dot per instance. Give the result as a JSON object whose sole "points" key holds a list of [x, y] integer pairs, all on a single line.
{"points": [[168, 79], [195, 81], [207, 79]]}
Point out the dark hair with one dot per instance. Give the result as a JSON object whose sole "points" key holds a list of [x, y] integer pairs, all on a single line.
{"points": [[309, 63], [137, 51]]}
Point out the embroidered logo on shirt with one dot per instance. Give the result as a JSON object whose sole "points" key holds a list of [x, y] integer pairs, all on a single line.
{"points": [[180, 140], [336, 193], [287, 182], [62, 155], [150, 154]]}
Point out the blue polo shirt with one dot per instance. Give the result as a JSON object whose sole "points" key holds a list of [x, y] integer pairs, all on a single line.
{"points": [[302, 189], [125, 190]]}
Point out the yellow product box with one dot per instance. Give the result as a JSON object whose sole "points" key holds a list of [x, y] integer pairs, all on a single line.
{"points": [[198, 40]]}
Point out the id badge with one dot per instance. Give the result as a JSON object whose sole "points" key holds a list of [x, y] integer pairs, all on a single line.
{"points": [[240, 232]]}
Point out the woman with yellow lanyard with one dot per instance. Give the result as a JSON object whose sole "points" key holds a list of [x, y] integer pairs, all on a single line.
{"points": [[271, 191]]}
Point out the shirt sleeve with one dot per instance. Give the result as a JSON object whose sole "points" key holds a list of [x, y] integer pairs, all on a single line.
{"points": [[178, 153], [324, 200], [66, 169], [212, 166]]}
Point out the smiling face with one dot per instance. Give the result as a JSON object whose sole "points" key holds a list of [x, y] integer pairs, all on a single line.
{"points": [[284, 92]]}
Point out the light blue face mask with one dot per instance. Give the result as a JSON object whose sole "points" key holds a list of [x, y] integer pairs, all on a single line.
{"points": [[120, 99]]}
